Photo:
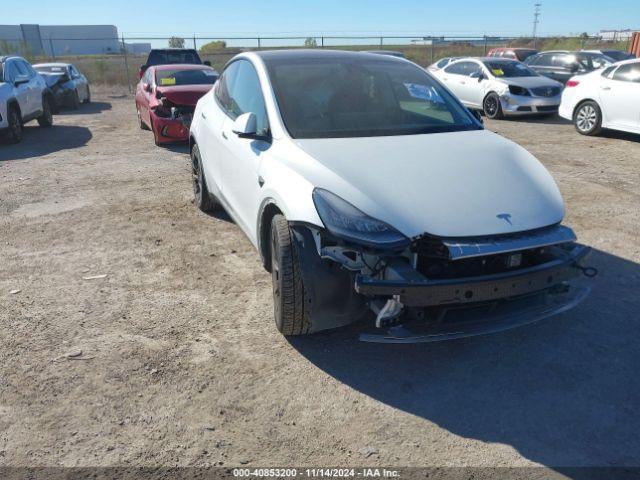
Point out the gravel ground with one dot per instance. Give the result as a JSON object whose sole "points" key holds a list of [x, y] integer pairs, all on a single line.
{"points": [[172, 358]]}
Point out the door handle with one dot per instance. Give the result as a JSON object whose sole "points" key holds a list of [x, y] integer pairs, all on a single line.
{"points": [[462, 82], [203, 115], [224, 135], [606, 88]]}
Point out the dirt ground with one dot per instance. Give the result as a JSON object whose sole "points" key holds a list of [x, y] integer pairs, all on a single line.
{"points": [[172, 358]]}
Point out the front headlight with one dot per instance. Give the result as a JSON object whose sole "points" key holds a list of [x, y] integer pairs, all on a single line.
{"points": [[347, 222], [516, 90]]}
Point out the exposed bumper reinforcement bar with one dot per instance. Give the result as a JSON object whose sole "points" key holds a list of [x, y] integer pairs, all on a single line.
{"points": [[415, 290], [504, 317]]}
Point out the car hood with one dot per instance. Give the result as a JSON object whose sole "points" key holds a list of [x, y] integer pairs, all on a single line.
{"points": [[458, 184], [184, 94], [530, 82]]}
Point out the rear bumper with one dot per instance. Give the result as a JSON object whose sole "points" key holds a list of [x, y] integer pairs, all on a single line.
{"points": [[414, 290]]}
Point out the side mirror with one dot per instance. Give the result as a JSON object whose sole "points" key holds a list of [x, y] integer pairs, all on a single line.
{"points": [[146, 87], [245, 125], [207, 63], [477, 75], [20, 79]]}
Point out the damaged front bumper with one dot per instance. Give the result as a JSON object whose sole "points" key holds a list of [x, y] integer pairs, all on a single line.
{"points": [[440, 289]]}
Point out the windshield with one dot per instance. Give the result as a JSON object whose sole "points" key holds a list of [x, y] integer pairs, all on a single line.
{"points": [[509, 69], [168, 57], [169, 78], [342, 97], [50, 69]]}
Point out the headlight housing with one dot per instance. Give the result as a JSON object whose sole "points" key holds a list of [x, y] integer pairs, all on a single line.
{"points": [[347, 222], [517, 90]]}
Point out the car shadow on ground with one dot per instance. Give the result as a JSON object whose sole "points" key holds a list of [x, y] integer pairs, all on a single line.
{"points": [[85, 109], [176, 147], [38, 141], [545, 119], [563, 392]]}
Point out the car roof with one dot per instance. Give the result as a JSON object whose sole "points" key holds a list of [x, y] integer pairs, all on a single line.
{"points": [[311, 54], [182, 66], [53, 64]]}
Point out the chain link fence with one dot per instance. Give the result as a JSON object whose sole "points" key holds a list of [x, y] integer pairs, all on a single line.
{"points": [[120, 59]]}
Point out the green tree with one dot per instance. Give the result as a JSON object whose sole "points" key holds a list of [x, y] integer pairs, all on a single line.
{"points": [[176, 42], [213, 47], [310, 42]]}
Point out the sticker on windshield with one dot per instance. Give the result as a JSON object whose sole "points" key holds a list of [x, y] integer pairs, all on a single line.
{"points": [[167, 81], [424, 92], [497, 72]]}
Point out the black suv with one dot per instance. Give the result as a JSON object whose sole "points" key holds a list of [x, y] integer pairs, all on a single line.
{"points": [[169, 56], [563, 65]]}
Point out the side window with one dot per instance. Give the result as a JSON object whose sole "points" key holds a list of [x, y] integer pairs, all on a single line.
{"points": [[21, 68], [607, 71], [629, 72], [222, 88], [246, 95], [534, 60], [9, 72], [148, 77], [442, 62], [544, 61], [31, 73], [74, 72], [457, 68]]}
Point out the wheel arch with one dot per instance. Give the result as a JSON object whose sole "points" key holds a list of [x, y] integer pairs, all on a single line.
{"points": [[13, 103], [268, 210], [582, 102]]}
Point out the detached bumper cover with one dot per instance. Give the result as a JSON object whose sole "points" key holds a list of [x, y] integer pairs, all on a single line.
{"points": [[414, 290]]}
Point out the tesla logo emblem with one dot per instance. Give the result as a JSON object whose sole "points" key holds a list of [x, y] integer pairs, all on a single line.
{"points": [[506, 217]]}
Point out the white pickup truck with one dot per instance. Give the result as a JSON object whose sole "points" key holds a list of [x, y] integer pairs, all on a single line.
{"points": [[24, 96]]}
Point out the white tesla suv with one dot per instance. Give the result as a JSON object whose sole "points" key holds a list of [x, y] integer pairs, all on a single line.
{"points": [[501, 87], [608, 98], [370, 191]]}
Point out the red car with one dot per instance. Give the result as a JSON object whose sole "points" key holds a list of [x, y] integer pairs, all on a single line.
{"points": [[166, 97]]}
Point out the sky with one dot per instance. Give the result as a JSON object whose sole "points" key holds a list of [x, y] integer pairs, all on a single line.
{"points": [[307, 17]]}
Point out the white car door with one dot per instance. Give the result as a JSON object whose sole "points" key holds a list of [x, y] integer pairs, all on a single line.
{"points": [[21, 91], [454, 77], [240, 179], [212, 117], [620, 97]]}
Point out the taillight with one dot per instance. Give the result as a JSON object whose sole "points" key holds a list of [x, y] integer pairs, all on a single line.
{"points": [[573, 83]]}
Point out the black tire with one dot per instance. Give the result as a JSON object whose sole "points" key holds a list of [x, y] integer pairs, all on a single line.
{"points": [[14, 131], [46, 119], [88, 99], [491, 106], [289, 299], [141, 124], [587, 118], [75, 100], [204, 200]]}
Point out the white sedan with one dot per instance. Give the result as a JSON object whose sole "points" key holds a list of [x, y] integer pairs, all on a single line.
{"points": [[370, 191], [608, 98], [500, 87]]}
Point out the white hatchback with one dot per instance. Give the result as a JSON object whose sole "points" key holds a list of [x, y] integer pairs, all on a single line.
{"points": [[366, 186], [608, 98]]}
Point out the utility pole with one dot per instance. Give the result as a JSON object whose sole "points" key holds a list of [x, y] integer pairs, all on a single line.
{"points": [[536, 15]]}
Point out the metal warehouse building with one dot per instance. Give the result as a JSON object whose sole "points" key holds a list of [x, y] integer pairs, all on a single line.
{"points": [[55, 40]]}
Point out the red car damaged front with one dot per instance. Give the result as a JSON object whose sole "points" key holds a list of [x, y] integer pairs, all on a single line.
{"points": [[166, 98]]}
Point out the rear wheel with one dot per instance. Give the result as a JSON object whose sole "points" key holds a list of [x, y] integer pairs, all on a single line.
{"points": [[492, 107], [75, 100], [203, 199], [141, 124], [289, 299], [46, 119], [14, 132], [588, 118]]}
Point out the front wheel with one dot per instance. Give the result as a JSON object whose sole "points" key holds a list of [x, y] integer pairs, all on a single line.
{"points": [[289, 299], [588, 118], [492, 106], [88, 98], [14, 132], [46, 119]]}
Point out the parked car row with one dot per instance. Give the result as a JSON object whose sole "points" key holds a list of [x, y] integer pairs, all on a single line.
{"points": [[35, 92]]}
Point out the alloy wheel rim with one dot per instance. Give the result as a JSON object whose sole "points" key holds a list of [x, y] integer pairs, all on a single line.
{"points": [[490, 105], [586, 119]]}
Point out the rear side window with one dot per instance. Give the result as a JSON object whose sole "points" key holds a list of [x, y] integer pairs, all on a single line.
{"points": [[457, 68], [628, 73], [607, 71]]}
